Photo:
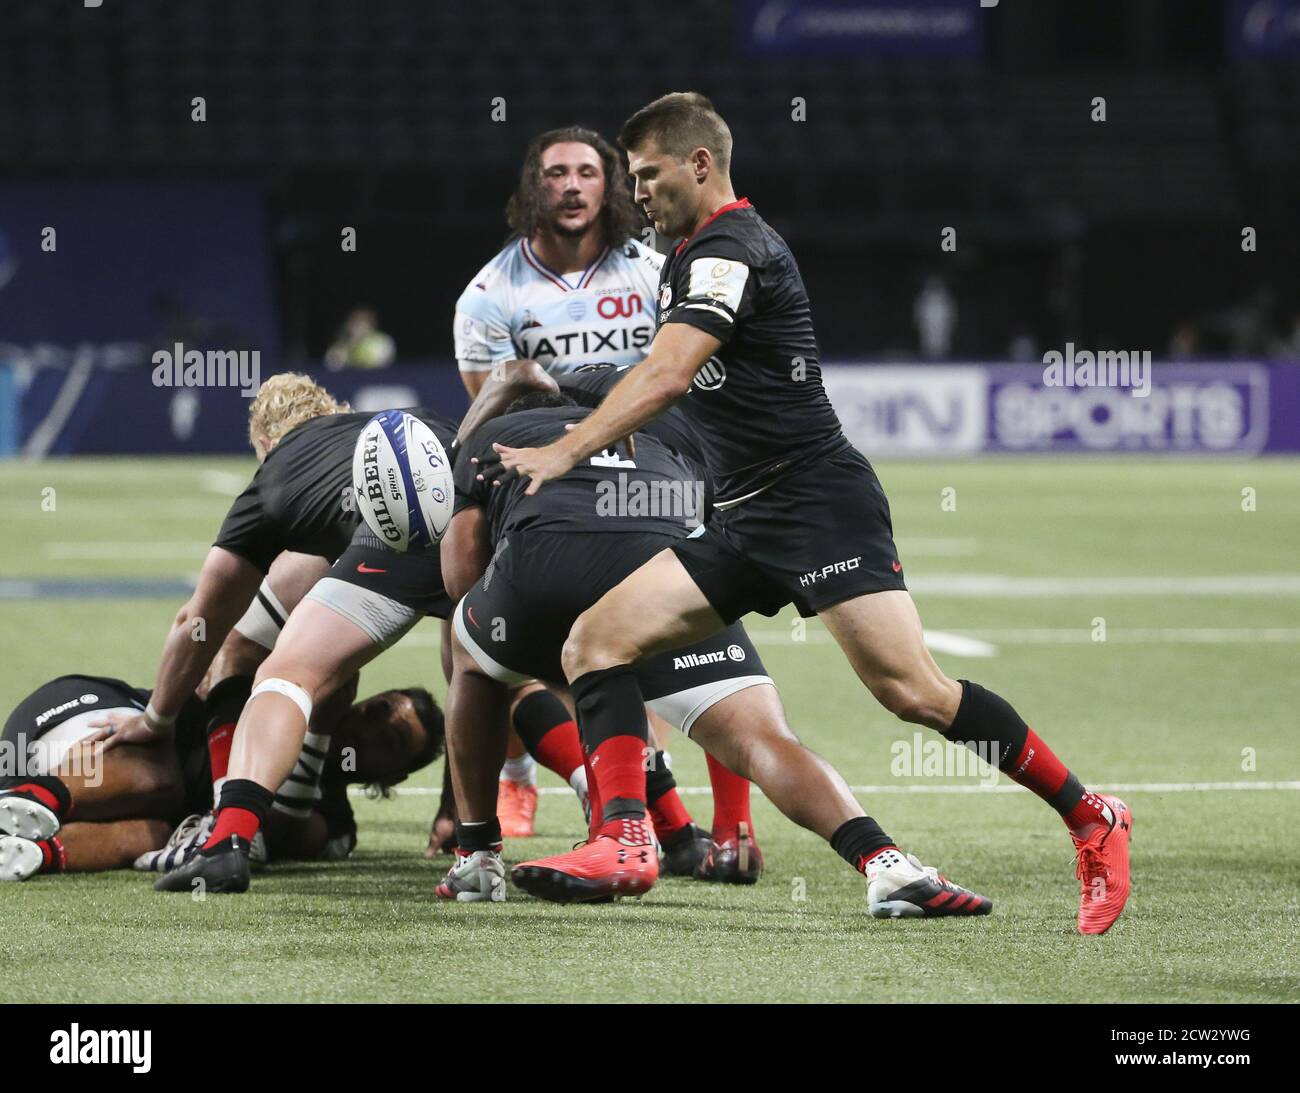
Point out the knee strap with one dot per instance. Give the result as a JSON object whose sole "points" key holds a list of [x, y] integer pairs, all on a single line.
{"points": [[291, 691]]}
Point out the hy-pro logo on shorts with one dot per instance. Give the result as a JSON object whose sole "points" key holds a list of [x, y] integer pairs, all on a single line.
{"points": [[846, 566]]}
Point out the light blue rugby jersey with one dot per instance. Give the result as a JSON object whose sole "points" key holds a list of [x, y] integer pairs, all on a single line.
{"points": [[515, 307]]}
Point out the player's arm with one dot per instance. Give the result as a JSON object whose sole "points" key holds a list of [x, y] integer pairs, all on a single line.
{"points": [[498, 388], [676, 355], [466, 550], [226, 586]]}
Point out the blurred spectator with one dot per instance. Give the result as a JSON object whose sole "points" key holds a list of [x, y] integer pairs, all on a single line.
{"points": [[1023, 346], [361, 344], [1288, 345], [935, 315], [1185, 343]]}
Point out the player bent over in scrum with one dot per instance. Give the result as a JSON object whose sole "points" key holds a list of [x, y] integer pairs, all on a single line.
{"points": [[371, 597], [69, 805], [801, 517], [532, 565]]}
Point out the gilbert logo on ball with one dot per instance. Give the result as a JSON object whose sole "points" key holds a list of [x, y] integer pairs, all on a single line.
{"points": [[402, 479]]}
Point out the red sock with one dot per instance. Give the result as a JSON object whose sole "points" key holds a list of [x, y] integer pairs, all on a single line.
{"points": [[219, 741], [730, 801], [560, 749], [39, 794], [54, 859], [1038, 769], [593, 798], [616, 764], [233, 821], [1087, 814], [668, 814]]}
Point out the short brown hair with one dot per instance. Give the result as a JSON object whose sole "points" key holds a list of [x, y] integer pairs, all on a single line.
{"points": [[284, 402], [526, 209], [679, 123]]}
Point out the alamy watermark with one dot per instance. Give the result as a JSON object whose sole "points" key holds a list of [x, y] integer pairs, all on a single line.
{"points": [[181, 367], [1105, 368], [925, 757], [659, 497]]}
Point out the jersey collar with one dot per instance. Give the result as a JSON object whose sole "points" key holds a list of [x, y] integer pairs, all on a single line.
{"points": [[559, 279], [739, 203]]}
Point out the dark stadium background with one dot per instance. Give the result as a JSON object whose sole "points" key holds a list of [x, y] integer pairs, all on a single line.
{"points": [[1120, 234]]}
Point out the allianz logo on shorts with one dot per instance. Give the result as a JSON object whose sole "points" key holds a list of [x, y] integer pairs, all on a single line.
{"points": [[84, 700], [695, 660], [830, 570]]}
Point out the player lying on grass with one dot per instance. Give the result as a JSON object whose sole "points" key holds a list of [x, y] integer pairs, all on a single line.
{"points": [[531, 564], [800, 517], [79, 808]]}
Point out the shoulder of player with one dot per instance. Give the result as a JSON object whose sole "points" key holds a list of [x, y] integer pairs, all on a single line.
{"points": [[494, 280], [633, 250], [739, 236]]}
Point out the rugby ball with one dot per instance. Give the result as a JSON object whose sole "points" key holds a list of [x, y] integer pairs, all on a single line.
{"points": [[401, 476]]}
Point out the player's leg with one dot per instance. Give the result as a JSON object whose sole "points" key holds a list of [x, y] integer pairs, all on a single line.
{"points": [[748, 732], [318, 650], [882, 637], [656, 608], [82, 848]]}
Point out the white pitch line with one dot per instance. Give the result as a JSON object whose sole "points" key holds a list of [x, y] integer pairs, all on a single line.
{"points": [[1001, 586], [1001, 787], [1174, 635], [226, 483]]}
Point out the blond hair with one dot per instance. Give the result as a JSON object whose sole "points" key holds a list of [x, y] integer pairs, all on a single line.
{"points": [[284, 402]]}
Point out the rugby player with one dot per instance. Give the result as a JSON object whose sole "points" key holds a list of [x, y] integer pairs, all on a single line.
{"points": [[730, 853], [298, 502], [800, 516], [573, 285], [76, 808], [526, 580]]}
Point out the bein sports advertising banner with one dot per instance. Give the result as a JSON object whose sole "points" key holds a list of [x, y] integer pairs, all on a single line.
{"points": [[1207, 408]]}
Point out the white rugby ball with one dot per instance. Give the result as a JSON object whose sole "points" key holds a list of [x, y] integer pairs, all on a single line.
{"points": [[402, 479]]}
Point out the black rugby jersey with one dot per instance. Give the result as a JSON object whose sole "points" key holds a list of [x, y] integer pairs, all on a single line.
{"points": [[758, 404], [301, 496], [588, 387], [655, 491]]}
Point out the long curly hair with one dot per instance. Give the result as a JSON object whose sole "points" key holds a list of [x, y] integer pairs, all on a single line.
{"points": [[526, 211]]}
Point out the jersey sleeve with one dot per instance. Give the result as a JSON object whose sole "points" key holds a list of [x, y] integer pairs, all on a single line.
{"points": [[713, 288], [481, 331], [248, 529], [469, 490]]}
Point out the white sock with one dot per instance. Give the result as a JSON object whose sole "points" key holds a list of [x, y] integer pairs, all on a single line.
{"points": [[521, 770]]}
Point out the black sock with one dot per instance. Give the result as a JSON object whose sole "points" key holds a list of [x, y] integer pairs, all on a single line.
{"points": [[609, 704], [658, 779], [857, 839], [246, 794], [226, 701], [535, 716], [45, 789], [988, 725], [472, 837]]}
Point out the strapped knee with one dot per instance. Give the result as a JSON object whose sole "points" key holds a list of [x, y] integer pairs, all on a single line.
{"points": [[291, 691]]}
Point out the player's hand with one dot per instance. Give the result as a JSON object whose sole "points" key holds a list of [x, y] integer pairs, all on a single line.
{"points": [[118, 728], [538, 465]]}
